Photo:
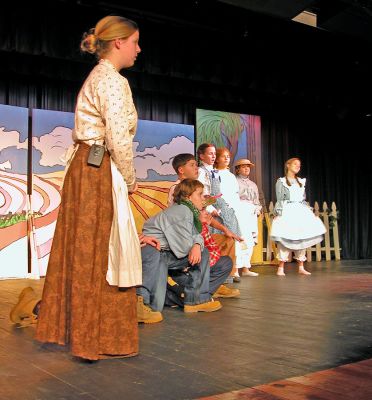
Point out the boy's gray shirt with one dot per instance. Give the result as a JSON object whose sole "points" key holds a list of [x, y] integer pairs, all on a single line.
{"points": [[174, 228]]}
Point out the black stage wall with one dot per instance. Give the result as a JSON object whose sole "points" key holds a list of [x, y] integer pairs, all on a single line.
{"points": [[312, 88]]}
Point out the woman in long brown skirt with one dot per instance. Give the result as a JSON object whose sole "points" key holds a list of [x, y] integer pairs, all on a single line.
{"points": [[95, 252], [79, 306]]}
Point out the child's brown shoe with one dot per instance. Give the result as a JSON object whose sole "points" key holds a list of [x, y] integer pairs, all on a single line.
{"points": [[145, 314], [224, 291], [210, 306]]}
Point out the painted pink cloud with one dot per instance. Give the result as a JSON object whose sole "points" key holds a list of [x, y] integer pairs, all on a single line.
{"points": [[53, 145], [6, 165], [11, 139], [160, 160]]}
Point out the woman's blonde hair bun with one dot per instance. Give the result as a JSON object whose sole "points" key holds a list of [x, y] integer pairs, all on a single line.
{"points": [[89, 42]]}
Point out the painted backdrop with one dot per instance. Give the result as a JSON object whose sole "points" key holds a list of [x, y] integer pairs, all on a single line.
{"points": [[240, 133], [14, 199], [155, 145]]}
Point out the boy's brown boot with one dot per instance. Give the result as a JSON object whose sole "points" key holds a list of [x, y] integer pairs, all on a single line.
{"points": [[224, 291], [145, 314], [210, 306], [22, 312]]}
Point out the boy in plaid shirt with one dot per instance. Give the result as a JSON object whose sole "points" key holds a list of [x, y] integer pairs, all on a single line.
{"points": [[186, 167]]}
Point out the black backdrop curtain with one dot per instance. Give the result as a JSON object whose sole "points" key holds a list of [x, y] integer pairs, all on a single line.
{"points": [[306, 102], [336, 162]]}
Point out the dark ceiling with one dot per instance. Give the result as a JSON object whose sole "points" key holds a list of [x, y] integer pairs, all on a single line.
{"points": [[246, 56], [352, 18], [349, 17]]}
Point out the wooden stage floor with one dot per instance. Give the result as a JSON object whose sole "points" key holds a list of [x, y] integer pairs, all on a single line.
{"points": [[278, 329]]}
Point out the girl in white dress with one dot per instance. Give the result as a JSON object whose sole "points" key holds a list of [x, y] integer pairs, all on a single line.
{"points": [[295, 227], [230, 193]]}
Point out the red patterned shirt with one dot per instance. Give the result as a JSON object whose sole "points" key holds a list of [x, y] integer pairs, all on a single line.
{"points": [[211, 245]]}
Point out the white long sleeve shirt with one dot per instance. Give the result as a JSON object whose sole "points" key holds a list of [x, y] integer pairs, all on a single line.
{"points": [[105, 112]]}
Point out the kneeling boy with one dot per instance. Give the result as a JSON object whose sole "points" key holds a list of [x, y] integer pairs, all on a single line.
{"points": [[178, 229]]}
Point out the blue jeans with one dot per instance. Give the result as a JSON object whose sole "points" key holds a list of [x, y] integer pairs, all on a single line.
{"points": [[199, 283], [217, 276]]}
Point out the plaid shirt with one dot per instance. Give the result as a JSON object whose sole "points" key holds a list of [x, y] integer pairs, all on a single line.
{"points": [[211, 245]]}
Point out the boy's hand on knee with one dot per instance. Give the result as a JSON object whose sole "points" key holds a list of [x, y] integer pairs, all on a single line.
{"points": [[144, 240], [195, 254]]}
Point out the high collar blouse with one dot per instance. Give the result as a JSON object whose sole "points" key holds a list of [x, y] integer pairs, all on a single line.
{"points": [[248, 190], [105, 113]]}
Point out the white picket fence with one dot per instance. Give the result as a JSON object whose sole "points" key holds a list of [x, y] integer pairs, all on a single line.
{"points": [[327, 250]]}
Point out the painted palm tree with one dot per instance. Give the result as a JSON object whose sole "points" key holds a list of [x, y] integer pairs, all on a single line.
{"points": [[223, 129]]}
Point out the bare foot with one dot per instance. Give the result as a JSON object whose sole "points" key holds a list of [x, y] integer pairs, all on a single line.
{"points": [[303, 271], [249, 273]]}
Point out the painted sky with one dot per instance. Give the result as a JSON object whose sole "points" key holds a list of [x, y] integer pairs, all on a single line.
{"points": [[14, 119], [51, 137], [154, 134], [155, 143], [13, 138]]}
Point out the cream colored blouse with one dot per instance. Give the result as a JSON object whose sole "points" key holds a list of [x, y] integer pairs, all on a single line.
{"points": [[105, 111]]}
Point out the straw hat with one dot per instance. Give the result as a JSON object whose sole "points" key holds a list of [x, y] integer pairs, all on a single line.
{"points": [[243, 161]]}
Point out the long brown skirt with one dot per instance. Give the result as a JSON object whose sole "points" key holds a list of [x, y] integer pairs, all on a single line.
{"points": [[78, 306]]}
